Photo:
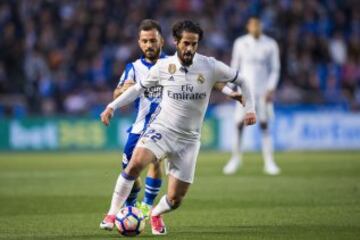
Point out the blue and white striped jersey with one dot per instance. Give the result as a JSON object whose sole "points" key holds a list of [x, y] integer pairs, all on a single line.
{"points": [[146, 104]]}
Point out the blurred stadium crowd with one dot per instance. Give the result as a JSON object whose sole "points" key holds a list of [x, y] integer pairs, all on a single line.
{"points": [[60, 57]]}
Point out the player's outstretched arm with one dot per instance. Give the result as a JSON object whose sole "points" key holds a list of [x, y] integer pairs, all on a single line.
{"points": [[126, 80], [226, 90], [122, 88], [124, 99], [224, 73], [131, 94]]}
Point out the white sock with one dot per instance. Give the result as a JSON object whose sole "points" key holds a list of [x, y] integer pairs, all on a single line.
{"points": [[237, 144], [122, 190], [267, 148], [162, 207]]}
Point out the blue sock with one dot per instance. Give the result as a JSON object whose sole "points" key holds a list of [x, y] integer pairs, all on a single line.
{"points": [[131, 200], [152, 188]]}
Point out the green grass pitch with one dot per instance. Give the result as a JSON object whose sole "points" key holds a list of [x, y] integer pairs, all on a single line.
{"points": [[64, 196]]}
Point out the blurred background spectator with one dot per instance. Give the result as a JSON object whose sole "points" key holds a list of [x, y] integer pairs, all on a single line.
{"points": [[65, 57]]}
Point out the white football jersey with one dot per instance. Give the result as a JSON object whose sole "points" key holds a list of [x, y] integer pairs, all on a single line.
{"points": [[146, 104], [186, 91], [258, 62]]}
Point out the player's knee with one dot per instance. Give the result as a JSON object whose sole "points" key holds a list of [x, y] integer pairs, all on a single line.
{"points": [[263, 126], [135, 167], [156, 165], [155, 169]]}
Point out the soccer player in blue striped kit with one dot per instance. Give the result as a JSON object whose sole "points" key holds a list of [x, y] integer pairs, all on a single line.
{"points": [[150, 42]]}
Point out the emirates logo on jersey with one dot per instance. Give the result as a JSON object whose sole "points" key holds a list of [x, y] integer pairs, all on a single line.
{"points": [[172, 68], [188, 92]]}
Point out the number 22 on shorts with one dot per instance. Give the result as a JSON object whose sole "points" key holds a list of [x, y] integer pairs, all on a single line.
{"points": [[152, 134]]}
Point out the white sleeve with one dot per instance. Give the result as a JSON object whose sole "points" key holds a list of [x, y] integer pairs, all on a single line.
{"points": [[227, 90], [152, 78], [235, 56], [128, 74], [231, 85], [224, 73], [274, 67], [245, 90], [127, 97]]}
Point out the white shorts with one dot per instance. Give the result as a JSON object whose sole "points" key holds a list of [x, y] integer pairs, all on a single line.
{"points": [[181, 153], [264, 111]]}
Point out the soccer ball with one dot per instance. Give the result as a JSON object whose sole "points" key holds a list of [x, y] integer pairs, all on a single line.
{"points": [[130, 221]]}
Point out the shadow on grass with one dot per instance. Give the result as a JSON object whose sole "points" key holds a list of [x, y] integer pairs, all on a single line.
{"points": [[105, 236], [225, 232]]}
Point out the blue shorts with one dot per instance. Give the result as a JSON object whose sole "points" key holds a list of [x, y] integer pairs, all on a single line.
{"points": [[129, 148]]}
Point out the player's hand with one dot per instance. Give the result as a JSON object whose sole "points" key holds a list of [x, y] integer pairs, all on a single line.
{"points": [[237, 97], [269, 97], [250, 118], [106, 115]]}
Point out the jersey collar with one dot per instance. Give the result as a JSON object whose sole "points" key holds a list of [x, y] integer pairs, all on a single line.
{"points": [[252, 39], [179, 62]]}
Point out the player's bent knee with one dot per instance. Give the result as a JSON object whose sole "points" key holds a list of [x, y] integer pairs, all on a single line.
{"points": [[134, 168], [140, 159]]}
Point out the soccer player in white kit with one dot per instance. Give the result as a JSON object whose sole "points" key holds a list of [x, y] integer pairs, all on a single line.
{"points": [[257, 58], [150, 42], [174, 132]]}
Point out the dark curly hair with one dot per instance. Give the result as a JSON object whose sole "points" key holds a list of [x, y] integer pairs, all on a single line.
{"points": [[187, 26]]}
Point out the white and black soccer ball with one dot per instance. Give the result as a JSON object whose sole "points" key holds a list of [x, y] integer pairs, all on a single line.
{"points": [[130, 221]]}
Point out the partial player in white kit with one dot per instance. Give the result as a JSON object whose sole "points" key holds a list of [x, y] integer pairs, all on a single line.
{"points": [[187, 79], [257, 58]]}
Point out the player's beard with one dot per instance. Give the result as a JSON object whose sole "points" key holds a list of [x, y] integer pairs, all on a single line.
{"points": [[152, 54], [186, 57]]}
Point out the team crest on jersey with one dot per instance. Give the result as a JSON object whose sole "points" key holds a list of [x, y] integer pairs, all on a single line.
{"points": [[172, 68], [200, 78]]}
